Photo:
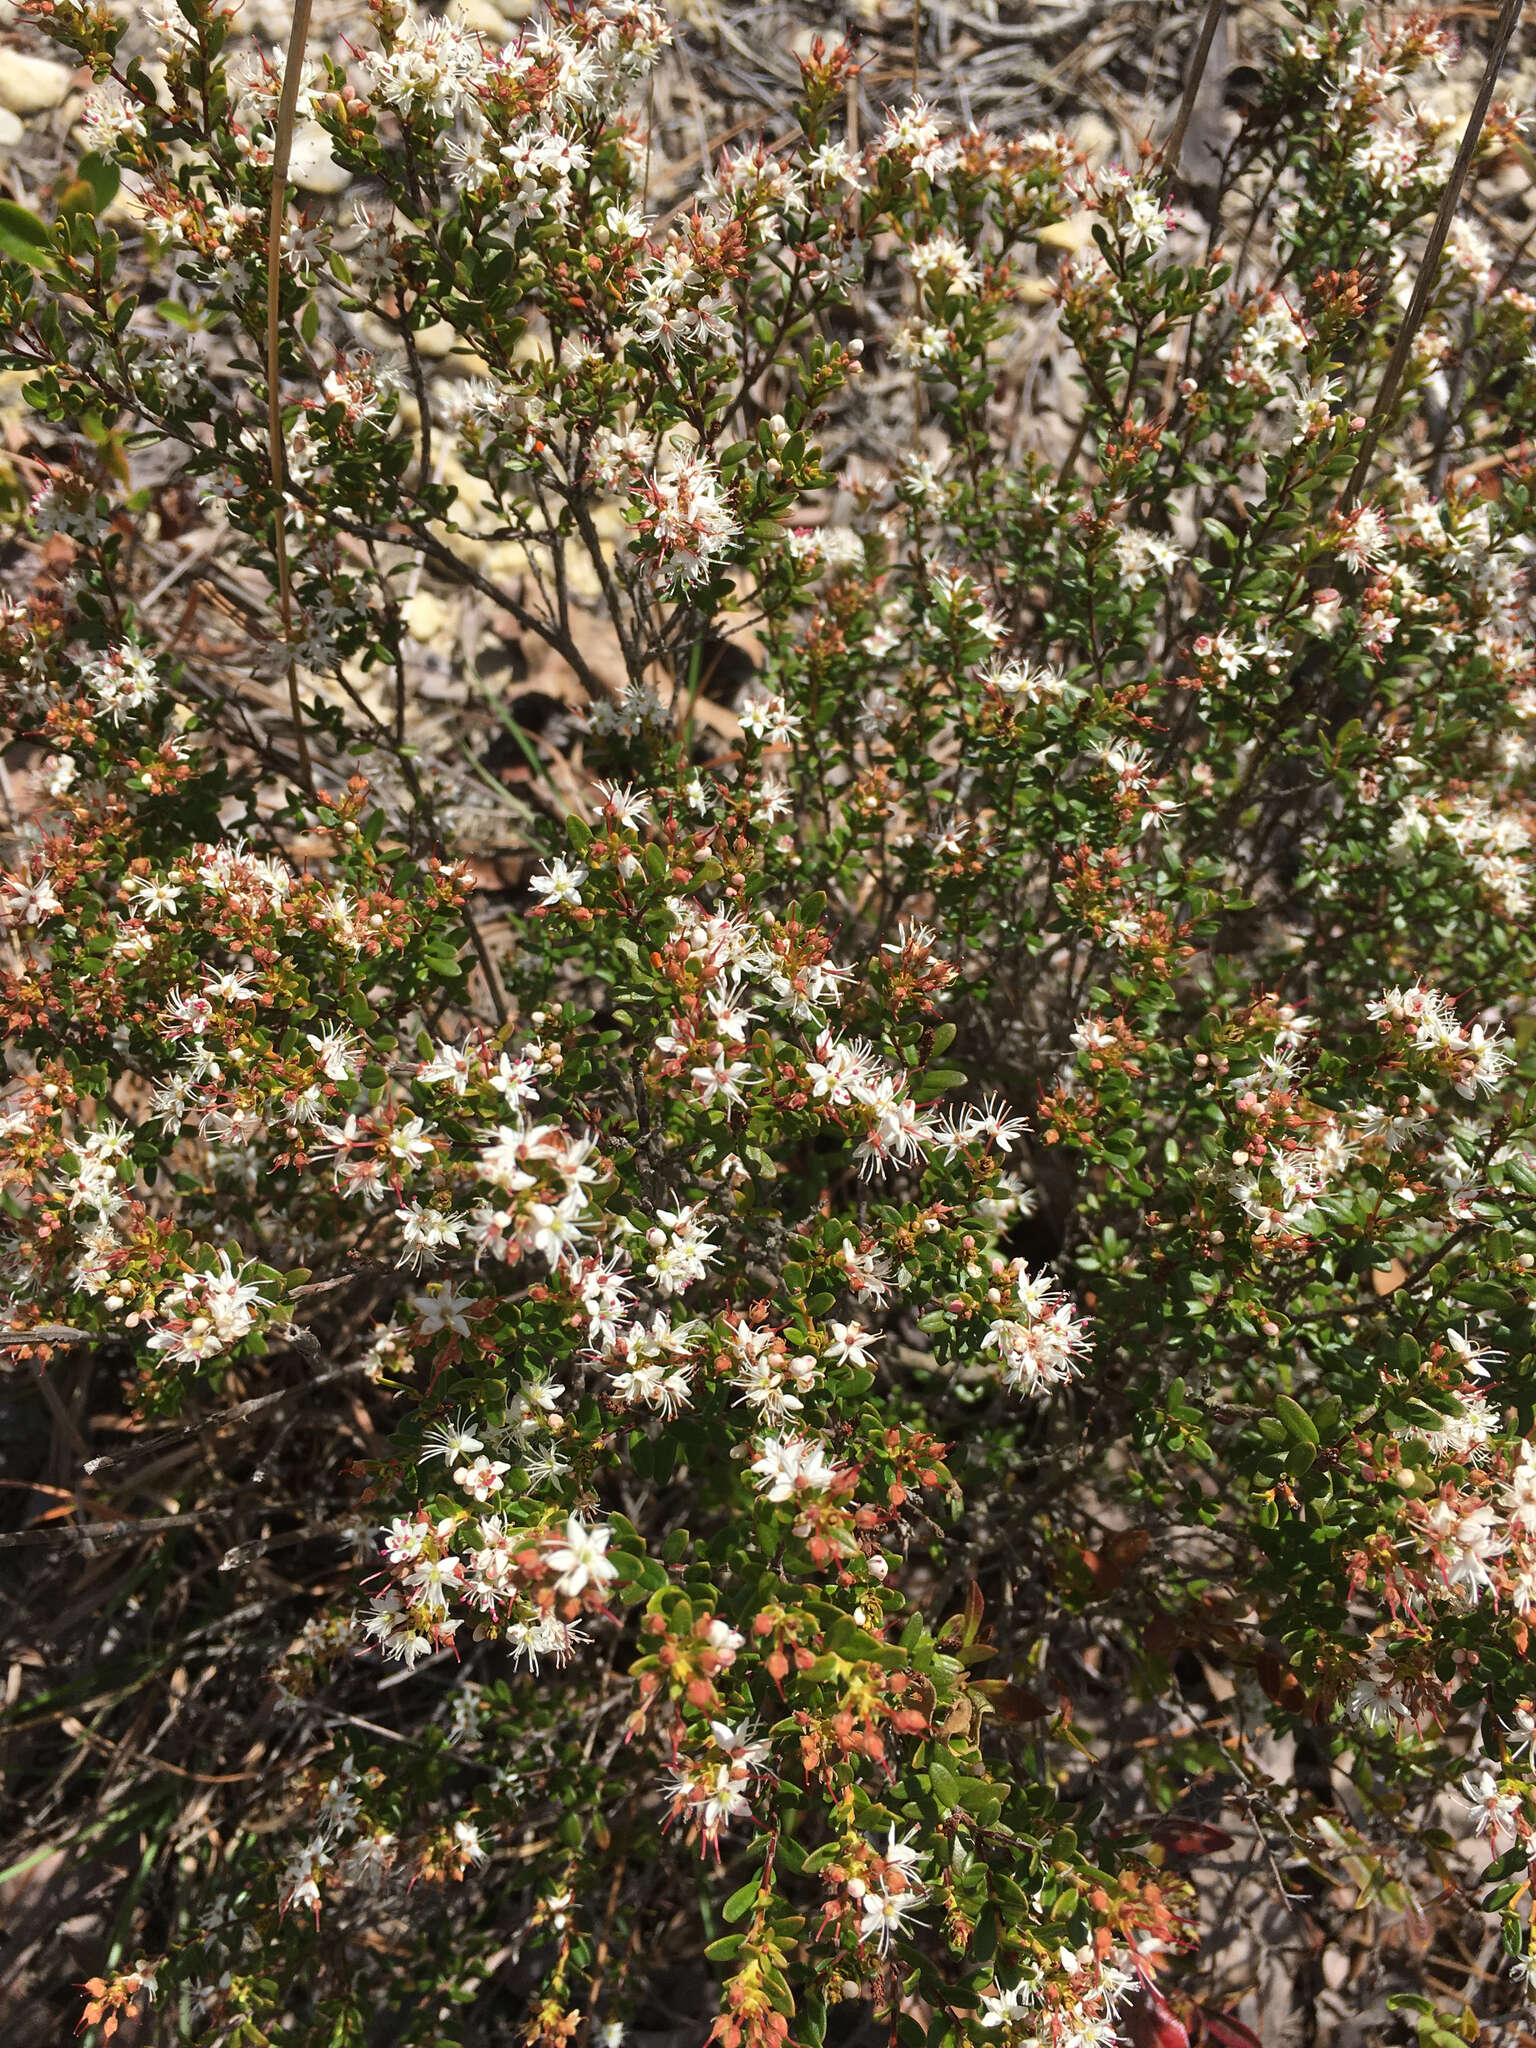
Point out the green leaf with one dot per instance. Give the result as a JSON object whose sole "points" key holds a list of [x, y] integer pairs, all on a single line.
{"points": [[937, 1081], [741, 1902], [945, 1784], [102, 176], [24, 238], [1296, 1419]]}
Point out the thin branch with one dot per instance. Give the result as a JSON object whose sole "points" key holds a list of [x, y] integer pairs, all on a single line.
{"points": [[99, 1532], [282, 143], [1173, 149], [1418, 305], [121, 1753], [456, 570], [487, 966], [241, 1412], [56, 1333]]}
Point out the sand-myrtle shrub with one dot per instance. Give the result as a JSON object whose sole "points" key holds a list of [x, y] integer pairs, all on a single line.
{"points": [[987, 1186]]}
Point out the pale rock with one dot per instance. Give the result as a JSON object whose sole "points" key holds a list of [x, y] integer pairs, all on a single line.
{"points": [[311, 165], [30, 85], [11, 130], [1072, 234], [433, 342], [475, 508], [378, 333], [480, 16], [272, 20], [463, 363], [437, 340], [1336, 1968], [426, 617], [491, 18], [1096, 139]]}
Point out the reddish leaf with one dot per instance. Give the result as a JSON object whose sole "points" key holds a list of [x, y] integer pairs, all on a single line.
{"points": [[1162, 1635], [1153, 2023], [1189, 1837], [1227, 2032], [1011, 1702], [973, 1608], [1281, 1683]]}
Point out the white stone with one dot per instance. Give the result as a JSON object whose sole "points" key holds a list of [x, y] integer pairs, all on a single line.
{"points": [[11, 130], [1073, 233], [311, 165], [491, 18], [436, 341], [426, 617], [30, 85], [482, 16], [1096, 139]]}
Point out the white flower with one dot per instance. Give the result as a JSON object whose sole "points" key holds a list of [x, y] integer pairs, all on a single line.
{"points": [[409, 1144], [1374, 1697], [337, 1049], [434, 1581], [1141, 555], [768, 718], [899, 1852], [482, 1478], [30, 901], [466, 1839], [850, 1344], [688, 516], [1006, 2008], [560, 883], [680, 1250], [426, 1231], [787, 1466], [442, 1308], [722, 1081], [1497, 1810], [556, 1229], [451, 1441], [448, 1063], [152, 895], [120, 679], [885, 1914], [581, 1559]]}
